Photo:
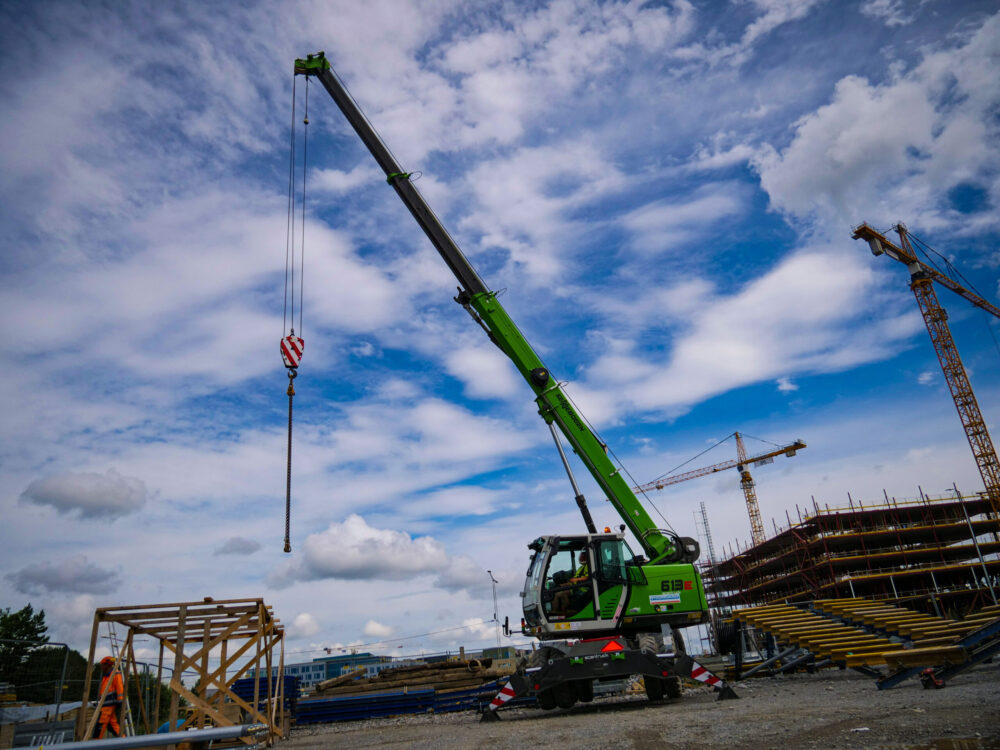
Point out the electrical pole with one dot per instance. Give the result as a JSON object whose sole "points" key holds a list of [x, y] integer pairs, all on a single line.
{"points": [[496, 617]]}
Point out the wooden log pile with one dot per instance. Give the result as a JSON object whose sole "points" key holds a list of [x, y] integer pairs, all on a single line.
{"points": [[447, 675]]}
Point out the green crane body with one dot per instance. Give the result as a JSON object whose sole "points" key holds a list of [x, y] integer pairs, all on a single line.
{"points": [[631, 595]]}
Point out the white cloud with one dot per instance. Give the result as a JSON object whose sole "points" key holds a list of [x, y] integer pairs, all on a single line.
{"points": [[523, 201], [76, 575], [237, 545], [338, 181], [785, 385], [303, 625], [791, 320], [927, 377], [887, 151], [355, 550], [666, 224], [485, 371], [89, 495], [891, 12], [373, 629], [775, 13]]}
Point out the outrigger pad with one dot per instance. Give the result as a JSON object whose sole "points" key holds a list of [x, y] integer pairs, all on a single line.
{"points": [[727, 693], [490, 715]]}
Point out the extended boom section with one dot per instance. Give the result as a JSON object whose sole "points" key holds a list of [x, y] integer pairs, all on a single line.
{"points": [[475, 296]]}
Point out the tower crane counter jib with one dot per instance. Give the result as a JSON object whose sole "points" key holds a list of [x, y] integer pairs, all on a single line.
{"points": [[583, 586]]}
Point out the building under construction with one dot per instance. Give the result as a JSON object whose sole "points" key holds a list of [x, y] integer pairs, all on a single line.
{"points": [[937, 554]]}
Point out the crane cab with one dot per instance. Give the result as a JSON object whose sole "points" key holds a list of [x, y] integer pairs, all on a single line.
{"points": [[578, 585], [593, 584]]}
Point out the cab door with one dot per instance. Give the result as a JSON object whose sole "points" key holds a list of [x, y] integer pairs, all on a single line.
{"points": [[611, 576]]}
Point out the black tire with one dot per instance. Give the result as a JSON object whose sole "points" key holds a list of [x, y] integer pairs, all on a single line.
{"points": [[565, 694], [654, 688], [673, 687], [585, 690], [546, 700]]}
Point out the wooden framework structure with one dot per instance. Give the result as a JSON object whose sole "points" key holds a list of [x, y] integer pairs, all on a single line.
{"points": [[218, 641]]}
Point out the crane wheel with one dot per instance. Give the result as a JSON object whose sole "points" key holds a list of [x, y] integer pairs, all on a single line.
{"points": [[546, 700], [672, 687], [565, 694], [654, 688]]}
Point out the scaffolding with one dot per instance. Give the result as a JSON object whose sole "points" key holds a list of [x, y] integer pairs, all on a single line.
{"points": [[936, 554], [217, 642]]}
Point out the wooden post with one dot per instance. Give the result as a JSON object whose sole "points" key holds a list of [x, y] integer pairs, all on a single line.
{"points": [[175, 676], [81, 718], [159, 683]]}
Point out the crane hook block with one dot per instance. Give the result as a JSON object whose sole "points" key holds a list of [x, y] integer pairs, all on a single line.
{"points": [[291, 350]]}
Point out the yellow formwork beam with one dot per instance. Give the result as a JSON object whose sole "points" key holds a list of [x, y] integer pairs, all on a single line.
{"points": [[808, 625], [926, 657], [874, 652], [843, 640], [955, 630], [939, 641], [812, 634], [841, 605], [916, 627]]}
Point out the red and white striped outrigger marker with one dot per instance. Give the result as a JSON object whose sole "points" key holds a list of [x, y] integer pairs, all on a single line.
{"points": [[291, 350], [701, 674], [505, 694]]}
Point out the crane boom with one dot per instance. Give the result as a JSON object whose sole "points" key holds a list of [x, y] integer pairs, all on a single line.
{"points": [[659, 484], [742, 463], [880, 245], [484, 307], [922, 277]]}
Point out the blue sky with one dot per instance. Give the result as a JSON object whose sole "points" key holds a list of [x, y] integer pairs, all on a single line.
{"points": [[665, 191]]}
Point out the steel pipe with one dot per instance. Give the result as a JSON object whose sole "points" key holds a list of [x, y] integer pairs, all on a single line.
{"points": [[159, 740]]}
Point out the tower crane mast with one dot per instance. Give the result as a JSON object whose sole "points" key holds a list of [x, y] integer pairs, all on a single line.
{"points": [[922, 278]]}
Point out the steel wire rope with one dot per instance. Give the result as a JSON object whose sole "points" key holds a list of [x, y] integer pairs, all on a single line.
{"points": [[681, 466], [290, 218], [927, 250], [620, 463], [302, 254]]}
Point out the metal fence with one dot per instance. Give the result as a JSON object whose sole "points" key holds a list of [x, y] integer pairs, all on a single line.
{"points": [[37, 672]]}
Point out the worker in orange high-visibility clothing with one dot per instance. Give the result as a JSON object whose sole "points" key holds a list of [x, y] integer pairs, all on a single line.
{"points": [[111, 682]]}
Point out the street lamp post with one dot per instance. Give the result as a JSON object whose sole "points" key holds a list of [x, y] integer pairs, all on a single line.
{"points": [[496, 617]]}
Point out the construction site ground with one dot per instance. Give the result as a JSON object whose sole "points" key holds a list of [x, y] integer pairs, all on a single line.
{"points": [[831, 709]]}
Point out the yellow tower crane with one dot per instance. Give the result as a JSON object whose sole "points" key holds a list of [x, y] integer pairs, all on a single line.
{"points": [[922, 277], [742, 463]]}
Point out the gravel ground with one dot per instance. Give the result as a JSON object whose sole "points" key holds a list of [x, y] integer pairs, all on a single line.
{"points": [[829, 710]]}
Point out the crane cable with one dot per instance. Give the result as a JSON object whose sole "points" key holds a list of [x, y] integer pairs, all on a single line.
{"points": [[292, 345]]}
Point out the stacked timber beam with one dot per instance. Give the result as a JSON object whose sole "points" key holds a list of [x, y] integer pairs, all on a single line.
{"points": [[930, 640], [442, 676], [865, 634], [822, 636]]}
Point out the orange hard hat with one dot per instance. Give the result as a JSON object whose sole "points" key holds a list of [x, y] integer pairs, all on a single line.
{"points": [[108, 660]]}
